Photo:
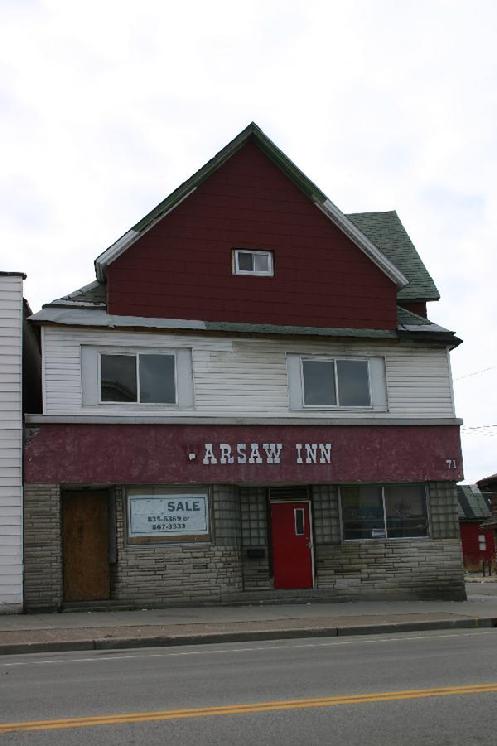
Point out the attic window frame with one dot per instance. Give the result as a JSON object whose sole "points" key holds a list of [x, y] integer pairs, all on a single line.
{"points": [[252, 272]]}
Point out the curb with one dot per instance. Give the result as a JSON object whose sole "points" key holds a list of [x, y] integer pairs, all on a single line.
{"points": [[120, 643]]}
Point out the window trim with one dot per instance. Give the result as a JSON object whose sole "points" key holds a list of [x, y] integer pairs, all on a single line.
{"points": [[334, 360], [386, 537], [136, 354], [91, 380], [254, 273]]}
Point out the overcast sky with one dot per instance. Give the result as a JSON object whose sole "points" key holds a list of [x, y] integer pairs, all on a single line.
{"points": [[105, 107]]}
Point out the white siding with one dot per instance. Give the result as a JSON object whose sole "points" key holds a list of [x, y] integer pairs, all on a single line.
{"points": [[236, 377], [10, 443]]}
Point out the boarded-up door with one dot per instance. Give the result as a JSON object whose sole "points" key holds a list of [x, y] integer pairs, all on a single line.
{"points": [[292, 550], [86, 546]]}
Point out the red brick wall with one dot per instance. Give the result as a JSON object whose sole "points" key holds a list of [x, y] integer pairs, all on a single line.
{"points": [[182, 267]]}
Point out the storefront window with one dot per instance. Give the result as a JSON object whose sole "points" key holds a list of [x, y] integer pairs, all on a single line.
{"points": [[390, 512], [405, 508], [159, 513]]}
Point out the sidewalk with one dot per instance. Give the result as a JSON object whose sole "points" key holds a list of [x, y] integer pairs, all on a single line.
{"points": [[104, 630]]}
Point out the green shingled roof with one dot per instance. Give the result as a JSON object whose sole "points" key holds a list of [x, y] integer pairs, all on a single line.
{"points": [[94, 292], [472, 504], [385, 230]]}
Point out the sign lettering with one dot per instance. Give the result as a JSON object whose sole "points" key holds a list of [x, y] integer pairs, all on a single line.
{"points": [[264, 453], [177, 515]]}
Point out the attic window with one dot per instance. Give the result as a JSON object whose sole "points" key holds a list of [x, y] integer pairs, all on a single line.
{"points": [[248, 262]]}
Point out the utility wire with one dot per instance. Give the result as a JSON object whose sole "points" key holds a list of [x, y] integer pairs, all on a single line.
{"points": [[477, 427], [476, 373]]}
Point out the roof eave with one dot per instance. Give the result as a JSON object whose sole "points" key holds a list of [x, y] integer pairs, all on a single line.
{"points": [[435, 337]]}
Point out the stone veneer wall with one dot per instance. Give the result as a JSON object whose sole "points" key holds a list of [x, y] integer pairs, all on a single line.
{"points": [[400, 568], [42, 547], [181, 573], [170, 573]]}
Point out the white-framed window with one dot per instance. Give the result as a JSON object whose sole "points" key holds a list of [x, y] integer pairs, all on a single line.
{"points": [[251, 262], [371, 511], [336, 382], [140, 377], [136, 378]]}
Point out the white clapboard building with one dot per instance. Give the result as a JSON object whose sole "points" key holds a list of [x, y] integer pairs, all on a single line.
{"points": [[11, 322]]}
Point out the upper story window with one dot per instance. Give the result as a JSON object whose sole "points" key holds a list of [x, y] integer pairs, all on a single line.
{"points": [[318, 382], [342, 383], [136, 378], [248, 262]]}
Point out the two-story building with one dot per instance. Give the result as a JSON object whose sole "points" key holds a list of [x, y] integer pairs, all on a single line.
{"points": [[249, 401]]}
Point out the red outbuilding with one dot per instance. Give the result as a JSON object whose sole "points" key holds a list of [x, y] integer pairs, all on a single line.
{"points": [[478, 542]]}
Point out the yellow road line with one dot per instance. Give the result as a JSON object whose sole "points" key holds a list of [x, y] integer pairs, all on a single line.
{"points": [[241, 709]]}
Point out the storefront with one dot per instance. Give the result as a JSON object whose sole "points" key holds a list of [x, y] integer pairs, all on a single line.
{"points": [[249, 513]]}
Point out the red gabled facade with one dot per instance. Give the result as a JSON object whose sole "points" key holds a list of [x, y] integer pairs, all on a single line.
{"points": [[182, 267]]}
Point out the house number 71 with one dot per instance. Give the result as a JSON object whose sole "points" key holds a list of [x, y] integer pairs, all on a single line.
{"points": [[451, 463]]}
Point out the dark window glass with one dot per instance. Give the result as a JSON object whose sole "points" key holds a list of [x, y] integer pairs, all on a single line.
{"points": [[245, 261], [319, 382], [157, 384], [299, 521], [362, 512], [353, 383], [405, 506], [118, 378]]}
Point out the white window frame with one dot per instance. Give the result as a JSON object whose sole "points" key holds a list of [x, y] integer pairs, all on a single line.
{"points": [[386, 537], [136, 354], [256, 273], [91, 390], [376, 382], [334, 360]]}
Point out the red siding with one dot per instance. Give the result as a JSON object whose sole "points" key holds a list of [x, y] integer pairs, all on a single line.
{"points": [[418, 307], [472, 555], [181, 268], [145, 454]]}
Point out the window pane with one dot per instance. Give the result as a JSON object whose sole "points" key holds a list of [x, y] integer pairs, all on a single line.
{"points": [[362, 512], [157, 379], [353, 383], [319, 382], [245, 261], [118, 378], [261, 262], [406, 510], [299, 521]]}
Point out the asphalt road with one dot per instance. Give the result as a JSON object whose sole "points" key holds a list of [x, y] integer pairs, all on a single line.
{"points": [[321, 691]]}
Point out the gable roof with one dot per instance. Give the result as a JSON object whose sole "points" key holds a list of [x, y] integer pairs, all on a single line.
{"points": [[471, 503], [490, 482], [351, 230]]}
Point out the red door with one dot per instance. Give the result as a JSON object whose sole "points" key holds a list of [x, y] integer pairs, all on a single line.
{"points": [[291, 534]]}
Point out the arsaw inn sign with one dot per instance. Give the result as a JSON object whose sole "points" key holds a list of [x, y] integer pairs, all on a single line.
{"points": [[264, 453]]}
